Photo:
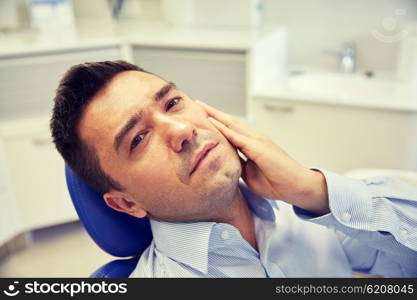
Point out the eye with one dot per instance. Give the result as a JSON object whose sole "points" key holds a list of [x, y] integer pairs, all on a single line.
{"points": [[136, 141], [172, 103]]}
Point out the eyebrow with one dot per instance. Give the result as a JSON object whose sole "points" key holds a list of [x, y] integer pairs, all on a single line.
{"points": [[137, 117], [164, 91]]}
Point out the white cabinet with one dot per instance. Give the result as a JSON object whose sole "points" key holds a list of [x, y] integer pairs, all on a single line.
{"points": [[36, 174], [30, 167], [10, 221], [28, 82], [339, 138], [213, 76]]}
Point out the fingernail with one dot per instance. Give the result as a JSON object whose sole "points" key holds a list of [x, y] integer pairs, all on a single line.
{"points": [[211, 119]]}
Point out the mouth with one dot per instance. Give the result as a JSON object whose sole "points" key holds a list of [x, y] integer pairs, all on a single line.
{"points": [[202, 154]]}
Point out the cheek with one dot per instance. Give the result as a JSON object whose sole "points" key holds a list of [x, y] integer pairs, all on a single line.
{"points": [[151, 177], [197, 113], [200, 117]]}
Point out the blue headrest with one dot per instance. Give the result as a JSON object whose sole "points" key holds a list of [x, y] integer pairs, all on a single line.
{"points": [[116, 233]]}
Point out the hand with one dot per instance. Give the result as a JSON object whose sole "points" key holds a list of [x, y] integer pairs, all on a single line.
{"points": [[268, 170]]}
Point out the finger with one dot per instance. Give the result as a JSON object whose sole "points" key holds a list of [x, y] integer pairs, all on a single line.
{"points": [[223, 117], [234, 137], [227, 120], [247, 145]]}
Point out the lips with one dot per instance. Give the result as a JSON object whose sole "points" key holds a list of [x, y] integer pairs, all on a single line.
{"points": [[201, 155]]}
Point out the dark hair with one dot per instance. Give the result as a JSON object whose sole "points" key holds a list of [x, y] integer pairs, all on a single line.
{"points": [[76, 89]]}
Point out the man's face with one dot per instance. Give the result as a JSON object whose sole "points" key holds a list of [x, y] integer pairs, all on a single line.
{"points": [[160, 146]]}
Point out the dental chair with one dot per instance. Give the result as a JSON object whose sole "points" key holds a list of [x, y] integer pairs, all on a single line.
{"points": [[116, 233]]}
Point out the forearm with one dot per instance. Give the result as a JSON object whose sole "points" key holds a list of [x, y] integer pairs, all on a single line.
{"points": [[379, 213]]}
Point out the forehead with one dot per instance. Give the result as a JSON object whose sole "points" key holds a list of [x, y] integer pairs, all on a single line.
{"points": [[125, 94], [126, 91], [130, 84]]}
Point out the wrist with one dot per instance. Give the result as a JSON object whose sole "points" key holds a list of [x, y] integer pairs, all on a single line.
{"points": [[313, 195]]}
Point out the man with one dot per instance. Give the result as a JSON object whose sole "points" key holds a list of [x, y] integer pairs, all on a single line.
{"points": [[154, 152]]}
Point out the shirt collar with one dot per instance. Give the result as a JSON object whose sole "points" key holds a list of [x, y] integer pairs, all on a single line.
{"points": [[188, 243]]}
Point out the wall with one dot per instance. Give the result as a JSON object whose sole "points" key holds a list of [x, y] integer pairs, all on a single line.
{"points": [[313, 25], [143, 9], [318, 24]]}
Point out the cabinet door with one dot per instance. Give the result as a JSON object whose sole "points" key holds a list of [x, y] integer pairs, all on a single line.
{"points": [[340, 138], [217, 78], [10, 221], [36, 176], [28, 83]]}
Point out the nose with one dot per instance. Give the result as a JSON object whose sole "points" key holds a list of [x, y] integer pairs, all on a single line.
{"points": [[177, 132]]}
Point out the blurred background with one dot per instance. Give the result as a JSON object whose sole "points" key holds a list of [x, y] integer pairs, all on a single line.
{"points": [[332, 82]]}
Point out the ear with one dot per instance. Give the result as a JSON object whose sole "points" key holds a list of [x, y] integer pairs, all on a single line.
{"points": [[121, 202]]}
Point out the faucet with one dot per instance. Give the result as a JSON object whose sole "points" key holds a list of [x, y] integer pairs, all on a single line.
{"points": [[116, 7], [347, 56]]}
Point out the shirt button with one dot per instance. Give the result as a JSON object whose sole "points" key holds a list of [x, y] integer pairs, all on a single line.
{"points": [[346, 217], [225, 235], [403, 233]]}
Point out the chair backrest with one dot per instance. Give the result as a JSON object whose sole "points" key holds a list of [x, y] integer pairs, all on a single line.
{"points": [[116, 233], [119, 268]]}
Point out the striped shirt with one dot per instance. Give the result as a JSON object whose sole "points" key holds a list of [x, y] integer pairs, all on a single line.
{"points": [[372, 228]]}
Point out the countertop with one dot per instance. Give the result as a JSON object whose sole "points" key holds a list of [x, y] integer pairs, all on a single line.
{"points": [[375, 93], [99, 34], [341, 89]]}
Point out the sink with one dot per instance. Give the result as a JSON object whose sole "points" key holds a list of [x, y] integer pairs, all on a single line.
{"points": [[344, 87], [356, 90]]}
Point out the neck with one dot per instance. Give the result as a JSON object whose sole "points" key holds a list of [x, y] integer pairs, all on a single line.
{"points": [[240, 216]]}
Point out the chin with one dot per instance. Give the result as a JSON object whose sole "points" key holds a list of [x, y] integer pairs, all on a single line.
{"points": [[227, 178]]}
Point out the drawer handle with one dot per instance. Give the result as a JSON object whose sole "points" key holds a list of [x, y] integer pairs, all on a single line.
{"points": [[40, 142], [278, 108]]}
